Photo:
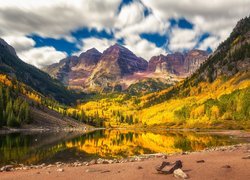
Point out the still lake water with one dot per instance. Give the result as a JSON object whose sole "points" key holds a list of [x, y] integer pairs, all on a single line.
{"points": [[30, 148]]}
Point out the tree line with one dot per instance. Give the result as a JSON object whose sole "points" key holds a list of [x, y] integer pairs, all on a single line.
{"points": [[14, 110]]}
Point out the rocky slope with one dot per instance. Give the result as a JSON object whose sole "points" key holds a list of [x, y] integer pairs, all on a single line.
{"points": [[231, 60], [180, 64], [117, 68], [116, 62], [232, 55], [73, 70]]}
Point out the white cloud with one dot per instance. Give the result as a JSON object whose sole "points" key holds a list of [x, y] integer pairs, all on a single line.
{"points": [[211, 42], [42, 56], [130, 15], [182, 39], [99, 44], [20, 43], [217, 17], [142, 47], [150, 24], [55, 18], [58, 18]]}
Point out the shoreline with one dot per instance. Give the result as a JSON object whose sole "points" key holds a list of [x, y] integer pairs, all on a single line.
{"points": [[225, 159], [236, 132]]}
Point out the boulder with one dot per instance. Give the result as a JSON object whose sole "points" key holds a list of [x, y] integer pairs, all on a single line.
{"points": [[178, 173], [6, 168]]}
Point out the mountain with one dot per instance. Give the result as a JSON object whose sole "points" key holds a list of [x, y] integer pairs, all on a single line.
{"points": [[117, 68], [215, 96], [180, 64], [116, 62], [74, 70], [12, 65], [232, 55], [95, 71]]}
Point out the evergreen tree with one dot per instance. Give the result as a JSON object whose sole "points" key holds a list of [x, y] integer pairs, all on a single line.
{"points": [[11, 121], [1, 107], [27, 118]]}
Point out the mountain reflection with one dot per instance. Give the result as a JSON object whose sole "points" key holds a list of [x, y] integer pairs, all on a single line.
{"points": [[115, 143]]}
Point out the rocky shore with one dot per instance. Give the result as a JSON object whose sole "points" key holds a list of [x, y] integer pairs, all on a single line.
{"points": [[232, 159]]}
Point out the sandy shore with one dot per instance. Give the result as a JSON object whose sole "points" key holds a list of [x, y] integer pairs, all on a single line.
{"points": [[232, 162]]}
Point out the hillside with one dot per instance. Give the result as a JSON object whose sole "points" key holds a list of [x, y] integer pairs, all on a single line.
{"points": [[13, 66], [23, 107], [216, 93], [215, 96]]}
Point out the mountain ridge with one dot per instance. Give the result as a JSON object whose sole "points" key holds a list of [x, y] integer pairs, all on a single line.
{"points": [[117, 68]]}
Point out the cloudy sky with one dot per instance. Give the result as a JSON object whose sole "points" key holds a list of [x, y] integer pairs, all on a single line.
{"points": [[45, 31]]}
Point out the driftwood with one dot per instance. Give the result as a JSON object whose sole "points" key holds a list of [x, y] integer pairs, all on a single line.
{"points": [[171, 167]]}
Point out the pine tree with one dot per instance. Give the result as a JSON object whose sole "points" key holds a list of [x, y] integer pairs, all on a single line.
{"points": [[1, 107], [11, 121], [27, 118]]}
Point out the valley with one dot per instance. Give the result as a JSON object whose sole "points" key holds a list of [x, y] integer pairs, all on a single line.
{"points": [[124, 89]]}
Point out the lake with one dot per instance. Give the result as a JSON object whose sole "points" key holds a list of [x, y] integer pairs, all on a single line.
{"points": [[50, 147]]}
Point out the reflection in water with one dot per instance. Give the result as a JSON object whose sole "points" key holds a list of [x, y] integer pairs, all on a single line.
{"points": [[51, 147]]}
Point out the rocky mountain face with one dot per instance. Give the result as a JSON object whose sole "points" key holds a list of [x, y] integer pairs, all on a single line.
{"points": [[232, 55], [40, 81], [95, 71], [229, 62], [73, 69], [180, 64], [115, 63], [117, 68]]}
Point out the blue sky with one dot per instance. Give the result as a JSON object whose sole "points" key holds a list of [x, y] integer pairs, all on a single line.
{"points": [[43, 32]]}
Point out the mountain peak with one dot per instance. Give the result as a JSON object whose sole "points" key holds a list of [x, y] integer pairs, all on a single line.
{"points": [[92, 50]]}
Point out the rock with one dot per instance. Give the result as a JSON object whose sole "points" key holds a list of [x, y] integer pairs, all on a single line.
{"points": [[105, 162], [105, 171], [138, 159], [178, 173], [200, 161], [26, 168], [37, 172], [92, 170], [164, 156], [92, 162], [100, 161], [111, 161], [139, 167], [246, 157], [226, 166], [60, 170], [6, 168]]}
